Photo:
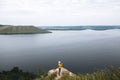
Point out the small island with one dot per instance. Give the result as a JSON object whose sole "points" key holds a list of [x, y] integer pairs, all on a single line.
{"points": [[9, 29]]}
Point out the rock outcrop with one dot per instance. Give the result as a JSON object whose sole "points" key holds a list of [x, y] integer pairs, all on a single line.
{"points": [[63, 73], [21, 30]]}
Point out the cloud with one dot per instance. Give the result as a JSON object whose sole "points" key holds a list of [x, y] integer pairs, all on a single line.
{"points": [[60, 12]]}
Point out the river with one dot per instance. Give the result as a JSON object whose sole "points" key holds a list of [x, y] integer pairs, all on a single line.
{"points": [[80, 51]]}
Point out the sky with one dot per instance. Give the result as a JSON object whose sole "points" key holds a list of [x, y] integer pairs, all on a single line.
{"points": [[60, 12]]}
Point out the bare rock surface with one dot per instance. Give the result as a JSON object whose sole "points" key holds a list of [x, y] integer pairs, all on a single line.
{"points": [[63, 73]]}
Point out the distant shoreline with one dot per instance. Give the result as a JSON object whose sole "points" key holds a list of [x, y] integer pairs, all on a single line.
{"points": [[98, 28], [8, 29]]}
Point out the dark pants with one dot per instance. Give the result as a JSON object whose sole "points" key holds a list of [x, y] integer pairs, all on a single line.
{"points": [[59, 71]]}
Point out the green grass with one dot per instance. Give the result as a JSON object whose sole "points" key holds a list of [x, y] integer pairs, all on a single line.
{"points": [[18, 74], [108, 74]]}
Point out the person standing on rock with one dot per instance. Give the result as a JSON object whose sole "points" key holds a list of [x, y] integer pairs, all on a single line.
{"points": [[59, 66]]}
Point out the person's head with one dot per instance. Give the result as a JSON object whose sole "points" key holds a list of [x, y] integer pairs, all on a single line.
{"points": [[59, 62]]}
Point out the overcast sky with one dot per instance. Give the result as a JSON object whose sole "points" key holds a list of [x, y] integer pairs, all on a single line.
{"points": [[60, 12]]}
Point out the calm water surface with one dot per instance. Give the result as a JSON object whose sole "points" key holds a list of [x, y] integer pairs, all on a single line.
{"points": [[80, 51]]}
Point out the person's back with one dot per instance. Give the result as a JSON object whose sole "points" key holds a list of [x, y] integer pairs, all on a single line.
{"points": [[60, 66]]}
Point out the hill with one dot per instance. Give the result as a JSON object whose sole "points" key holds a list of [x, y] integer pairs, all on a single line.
{"points": [[18, 74], [4, 29]]}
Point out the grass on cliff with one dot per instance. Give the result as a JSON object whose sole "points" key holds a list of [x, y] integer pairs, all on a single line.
{"points": [[18, 74], [108, 74]]}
